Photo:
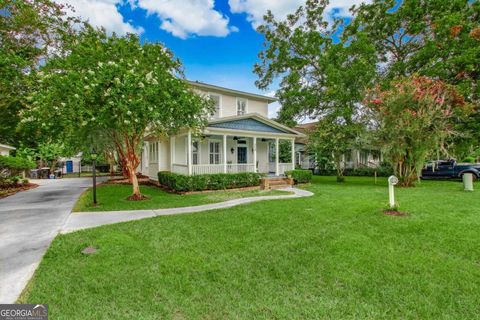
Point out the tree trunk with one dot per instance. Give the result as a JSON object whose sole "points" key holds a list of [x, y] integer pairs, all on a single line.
{"points": [[133, 178], [339, 168]]}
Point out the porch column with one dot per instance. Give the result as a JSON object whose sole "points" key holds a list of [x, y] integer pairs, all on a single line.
{"points": [[254, 154], [293, 154], [172, 152], [224, 153], [158, 155], [189, 152], [277, 169]]}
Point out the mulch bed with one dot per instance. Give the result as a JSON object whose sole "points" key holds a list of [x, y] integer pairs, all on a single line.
{"points": [[143, 180], [11, 190], [395, 213]]}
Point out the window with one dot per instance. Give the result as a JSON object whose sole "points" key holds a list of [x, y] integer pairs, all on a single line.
{"points": [[214, 149], [241, 106], [195, 147], [153, 152], [216, 100]]}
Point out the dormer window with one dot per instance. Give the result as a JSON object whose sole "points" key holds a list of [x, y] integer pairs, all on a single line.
{"points": [[216, 100], [241, 106]]}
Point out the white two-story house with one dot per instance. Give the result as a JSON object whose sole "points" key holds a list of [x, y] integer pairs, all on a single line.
{"points": [[238, 138]]}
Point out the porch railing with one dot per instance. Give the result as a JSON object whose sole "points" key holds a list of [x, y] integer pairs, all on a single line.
{"points": [[240, 167], [207, 168], [180, 168], [282, 167]]}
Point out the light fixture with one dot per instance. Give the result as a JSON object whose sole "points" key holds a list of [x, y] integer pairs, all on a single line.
{"points": [[232, 150]]}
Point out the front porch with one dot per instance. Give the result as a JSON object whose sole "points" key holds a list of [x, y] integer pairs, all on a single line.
{"points": [[229, 153]]}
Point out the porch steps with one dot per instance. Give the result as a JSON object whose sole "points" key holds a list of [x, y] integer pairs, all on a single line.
{"points": [[275, 183]]}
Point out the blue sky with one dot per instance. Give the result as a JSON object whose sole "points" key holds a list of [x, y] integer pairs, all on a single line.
{"points": [[225, 61], [215, 39]]}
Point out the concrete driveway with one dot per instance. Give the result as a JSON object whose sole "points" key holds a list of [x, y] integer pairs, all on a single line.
{"points": [[28, 223]]}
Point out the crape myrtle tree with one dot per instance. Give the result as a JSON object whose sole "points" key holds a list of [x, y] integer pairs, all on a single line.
{"points": [[116, 85], [411, 119], [435, 38], [320, 79], [29, 31]]}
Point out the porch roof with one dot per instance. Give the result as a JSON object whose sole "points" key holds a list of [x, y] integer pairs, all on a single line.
{"points": [[253, 122]]}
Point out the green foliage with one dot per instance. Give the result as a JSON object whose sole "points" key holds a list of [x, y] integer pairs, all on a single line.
{"points": [[437, 39], [300, 176], [116, 86], [29, 30], [15, 163], [218, 181], [11, 168], [413, 119], [332, 138], [319, 79], [469, 160]]}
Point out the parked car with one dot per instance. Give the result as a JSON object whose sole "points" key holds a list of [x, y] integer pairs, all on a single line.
{"points": [[450, 169]]}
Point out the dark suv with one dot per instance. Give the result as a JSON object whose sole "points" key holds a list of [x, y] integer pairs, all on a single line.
{"points": [[450, 169]]}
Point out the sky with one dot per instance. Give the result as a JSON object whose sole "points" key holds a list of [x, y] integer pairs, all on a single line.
{"points": [[215, 39]]}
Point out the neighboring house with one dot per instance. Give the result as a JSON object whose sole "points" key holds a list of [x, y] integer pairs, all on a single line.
{"points": [[238, 138], [354, 158], [71, 164], [5, 149]]}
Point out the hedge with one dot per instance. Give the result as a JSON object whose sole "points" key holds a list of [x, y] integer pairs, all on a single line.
{"points": [[218, 181], [382, 171], [10, 169], [300, 176]]}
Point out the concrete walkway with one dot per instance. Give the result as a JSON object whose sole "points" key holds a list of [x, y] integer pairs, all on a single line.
{"points": [[84, 220], [29, 221]]}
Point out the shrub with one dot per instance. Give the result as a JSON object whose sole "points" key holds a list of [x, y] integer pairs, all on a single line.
{"points": [[469, 160], [299, 176], [218, 181], [11, 167], [382, 171]]}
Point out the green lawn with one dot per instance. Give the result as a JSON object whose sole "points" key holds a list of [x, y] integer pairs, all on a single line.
{"points": [[334, 256], [112, 197], [85, 175]]}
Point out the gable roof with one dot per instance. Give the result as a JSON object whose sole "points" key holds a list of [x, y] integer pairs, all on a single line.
{"points": [[252, 122], [232, 91]]}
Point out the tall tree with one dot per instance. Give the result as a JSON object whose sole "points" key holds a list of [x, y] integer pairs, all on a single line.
{"points": [[29, 30], [412, 118], [118, 86], [320, 79], [436, 38]]}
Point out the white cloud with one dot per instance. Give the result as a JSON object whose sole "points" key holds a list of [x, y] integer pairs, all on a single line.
{"points": [[187, 17], [256, 9], [102, 13]]}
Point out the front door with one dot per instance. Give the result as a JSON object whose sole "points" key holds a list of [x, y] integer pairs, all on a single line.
{"points": [[241, 154], [69, 166]]}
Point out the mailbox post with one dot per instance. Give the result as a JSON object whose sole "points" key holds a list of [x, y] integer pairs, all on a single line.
{"points": [[392, 181]]}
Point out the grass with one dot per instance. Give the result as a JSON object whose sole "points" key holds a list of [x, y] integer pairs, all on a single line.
{"points": [[85, 174], [111, 197], [331, 256]]}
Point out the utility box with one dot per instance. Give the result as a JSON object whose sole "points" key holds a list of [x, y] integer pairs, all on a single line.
{"points": [[467, 181]]}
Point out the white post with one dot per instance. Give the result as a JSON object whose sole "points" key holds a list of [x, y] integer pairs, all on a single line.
{"points": [[172, 152], [189, 152], [147, 154], [254, 154], [277, 169], [158, 155], [293, 154], [224, 153], [392, 180]]}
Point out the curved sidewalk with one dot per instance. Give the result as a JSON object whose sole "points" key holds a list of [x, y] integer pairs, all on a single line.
{"points": [[84, 220]]}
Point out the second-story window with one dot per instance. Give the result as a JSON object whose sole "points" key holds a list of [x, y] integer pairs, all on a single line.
{"points": [[216, 100], [241, 106]]}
